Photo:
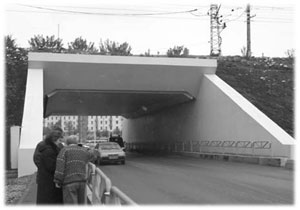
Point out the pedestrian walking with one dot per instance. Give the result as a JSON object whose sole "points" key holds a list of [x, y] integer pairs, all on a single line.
{"points": [[45, 157], [70, 171]]}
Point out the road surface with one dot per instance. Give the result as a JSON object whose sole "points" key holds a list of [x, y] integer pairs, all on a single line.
{"points": [[185, 180]]}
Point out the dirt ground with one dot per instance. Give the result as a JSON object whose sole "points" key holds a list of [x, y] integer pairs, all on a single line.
{"points": [[15, 188]]}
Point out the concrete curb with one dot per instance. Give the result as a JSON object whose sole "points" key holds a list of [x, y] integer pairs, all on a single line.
{"points": [[269, 161]]}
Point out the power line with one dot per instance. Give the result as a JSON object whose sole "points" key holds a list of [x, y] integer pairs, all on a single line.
{"points": [[106, 8], [227, 20], [191, 11], [230, 20], [152, 16], [157, 9], [276, 22], [272, 8], [109, 14]]}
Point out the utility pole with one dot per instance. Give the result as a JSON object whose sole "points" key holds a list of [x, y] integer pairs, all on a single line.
{"points": [[96, 126], [248, 53], [215, 25]]}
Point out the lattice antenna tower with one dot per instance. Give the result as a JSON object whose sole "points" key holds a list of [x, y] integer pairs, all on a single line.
{"points": [[215, 38]]}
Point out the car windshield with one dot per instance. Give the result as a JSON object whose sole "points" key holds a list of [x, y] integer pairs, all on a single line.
{"points": [[109, 146]]}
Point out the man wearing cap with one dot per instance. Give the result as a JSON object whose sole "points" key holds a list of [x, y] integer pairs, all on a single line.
{"points": [[70, 173]]}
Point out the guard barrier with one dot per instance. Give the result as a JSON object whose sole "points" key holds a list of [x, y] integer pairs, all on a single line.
{"points": [[263, 148], [99, 189]]}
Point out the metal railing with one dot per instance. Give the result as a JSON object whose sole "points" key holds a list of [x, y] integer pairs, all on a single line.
{"points": [[231, 147], [99, 189], [119, 198]]}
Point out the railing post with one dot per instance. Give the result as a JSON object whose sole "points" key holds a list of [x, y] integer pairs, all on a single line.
{"points": [[90, 173], [93, 183], [107, 186]]}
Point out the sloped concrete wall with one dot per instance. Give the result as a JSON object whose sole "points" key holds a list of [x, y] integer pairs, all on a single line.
{"points": [[218, 114], [32, 124]]}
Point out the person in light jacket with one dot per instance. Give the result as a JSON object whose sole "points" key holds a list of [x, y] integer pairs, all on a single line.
{"points": [[70, 173]]}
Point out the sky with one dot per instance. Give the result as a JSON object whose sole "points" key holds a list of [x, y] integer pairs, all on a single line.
{"points": [[156, 25]]}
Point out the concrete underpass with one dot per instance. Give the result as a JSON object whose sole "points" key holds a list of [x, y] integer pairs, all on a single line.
{"points": [[164, 100]]}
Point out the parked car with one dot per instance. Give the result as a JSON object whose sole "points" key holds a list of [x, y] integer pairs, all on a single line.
{"points": [[109, 152]]}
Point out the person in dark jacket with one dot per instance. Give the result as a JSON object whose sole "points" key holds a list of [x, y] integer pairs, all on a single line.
{"points": [[47, 192], [37, 152]]}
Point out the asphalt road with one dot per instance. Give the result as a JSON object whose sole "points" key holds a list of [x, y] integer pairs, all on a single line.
{"points": [[176, 180]]}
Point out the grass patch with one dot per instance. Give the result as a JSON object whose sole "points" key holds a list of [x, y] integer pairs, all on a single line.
{"points": [[268, 83]]}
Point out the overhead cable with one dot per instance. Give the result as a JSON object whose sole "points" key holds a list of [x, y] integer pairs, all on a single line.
{"points": [[109, 14]]}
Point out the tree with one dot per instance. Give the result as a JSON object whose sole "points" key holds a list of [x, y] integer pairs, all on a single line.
{"points": [[49, 44], [58, 123], [69, 128], [148, 54], [46, 130], [244, 51], [114, 48], [81, 46], [98, 133], [290, 53], [178, 51], [16, 63], [117, 131], [105, 133]]}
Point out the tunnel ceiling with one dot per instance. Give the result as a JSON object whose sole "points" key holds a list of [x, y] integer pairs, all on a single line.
{"points": [[128, 104], [131, 86]]}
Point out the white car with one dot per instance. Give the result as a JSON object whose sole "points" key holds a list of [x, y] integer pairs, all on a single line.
{"points": [[109, 152]]}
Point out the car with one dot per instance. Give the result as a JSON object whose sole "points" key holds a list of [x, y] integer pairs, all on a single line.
{"points": [[93, 142], [109, 152]]}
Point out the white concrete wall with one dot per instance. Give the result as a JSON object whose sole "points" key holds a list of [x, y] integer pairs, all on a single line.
{"points": [[32, 124], [14, 146], [219, 114]]}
